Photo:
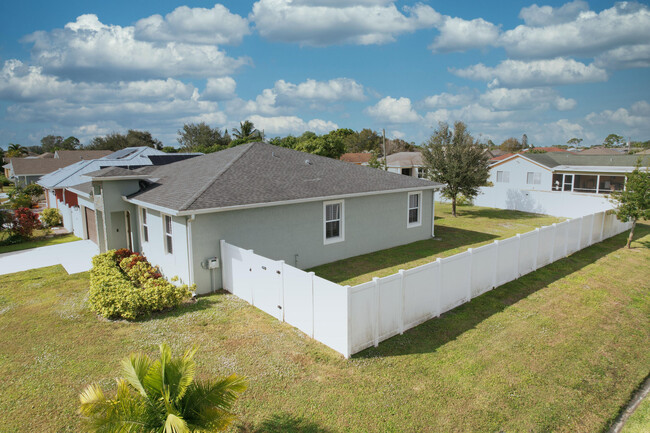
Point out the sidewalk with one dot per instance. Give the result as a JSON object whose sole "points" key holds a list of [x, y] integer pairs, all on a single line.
{"points": [[73, 256]]}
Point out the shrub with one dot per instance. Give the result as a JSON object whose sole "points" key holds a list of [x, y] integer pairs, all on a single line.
{"points": [[24, 222], [51, 217], [18, 199], [121, 254], [463, 200], [33, 190], [4, 181], [131, 289]]}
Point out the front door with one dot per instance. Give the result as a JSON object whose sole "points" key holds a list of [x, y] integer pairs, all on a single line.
{"points": [[129, 235]]}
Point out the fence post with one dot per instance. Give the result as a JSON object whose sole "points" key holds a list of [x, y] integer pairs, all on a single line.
{"points": [[566, 238], [282, 290], [222, 249], [402, 296], [496, 264], [536, 249], [602, 227], [439, 284], [349, 318], [591, 230], [552, 257], [518, 273], [375, 331], [582, 223], [250, 284], [311, 280], [470, 271]]}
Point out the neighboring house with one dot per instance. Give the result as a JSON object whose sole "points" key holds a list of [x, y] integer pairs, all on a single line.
{"points": [[68, 190], [558, 183], [406, 163], [287, 205], [27, 170], [603, 151], [359, 158]]}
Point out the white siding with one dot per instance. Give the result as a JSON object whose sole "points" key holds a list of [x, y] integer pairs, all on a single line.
{"points": [[518, 169]]}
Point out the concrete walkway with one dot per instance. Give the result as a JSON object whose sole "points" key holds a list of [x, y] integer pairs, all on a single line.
{"points": [[74, 256]]}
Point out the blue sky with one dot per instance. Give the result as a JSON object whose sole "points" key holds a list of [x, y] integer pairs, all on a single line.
{"points": [[551, 70]]}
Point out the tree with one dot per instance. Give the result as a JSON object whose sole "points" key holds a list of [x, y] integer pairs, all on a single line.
{"points": [[365, 140], [613, 140], [524, 141], [633, 203], [136, 138], [511, 145], [50, 143], [16, 150], [24, 223], [162, 396], [116, 141], [200, 137], [247, 132], [329, 145], [457, 160], [574, 141]]}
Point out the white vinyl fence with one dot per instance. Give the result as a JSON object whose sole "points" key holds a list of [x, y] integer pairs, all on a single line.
{"points": [[350, 319]]}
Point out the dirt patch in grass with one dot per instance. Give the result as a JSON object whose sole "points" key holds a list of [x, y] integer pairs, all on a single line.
{"points": [[561, 350]]}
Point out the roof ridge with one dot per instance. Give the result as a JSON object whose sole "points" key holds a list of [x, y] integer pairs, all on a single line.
{"points": [[207, 185]]}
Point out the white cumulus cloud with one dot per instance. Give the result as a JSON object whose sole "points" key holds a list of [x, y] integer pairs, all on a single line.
{"points": [[540, 16], [517, 73], [457, 34], [393, 110], [531, 99], [291, 125], [214, 26], [218, 89]]}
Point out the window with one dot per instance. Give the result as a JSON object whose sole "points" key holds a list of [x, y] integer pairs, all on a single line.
{"points": [[333, 217], [585, 183], [533, 178], [611, 183], [414, 209], [169, 247], [407, 171], [422, 173], [145, 227], [503, 176]]}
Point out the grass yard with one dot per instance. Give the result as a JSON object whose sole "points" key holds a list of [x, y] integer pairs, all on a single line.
{"points": [[561, 349], [39, 240], [475, 226], [639, 421]]}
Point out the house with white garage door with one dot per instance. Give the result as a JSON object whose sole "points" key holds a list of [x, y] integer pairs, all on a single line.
{"points": [[557, 183], [286, 205]]}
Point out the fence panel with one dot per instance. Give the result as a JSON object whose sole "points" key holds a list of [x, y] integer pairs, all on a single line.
{"points": [[528, 252], [507, 260], [597, 227], [299, 299], [573, 235], [560, 241], [390, 305], [455, 281], [484, 262], [420, 294], [545, 246], [331, 315], [362, 312], [585, 233]]}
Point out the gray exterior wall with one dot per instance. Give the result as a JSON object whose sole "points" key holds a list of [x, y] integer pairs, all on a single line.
{"points": [[113, 209], [372, 223]]}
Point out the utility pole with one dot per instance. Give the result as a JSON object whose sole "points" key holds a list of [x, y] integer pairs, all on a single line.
{"points": [[383, 134]]}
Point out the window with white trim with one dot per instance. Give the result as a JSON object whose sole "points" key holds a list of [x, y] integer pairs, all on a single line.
{"points": [[533, 178], [333, 226], [503, 176], [169, 245], [145, 227], [414, 209]]}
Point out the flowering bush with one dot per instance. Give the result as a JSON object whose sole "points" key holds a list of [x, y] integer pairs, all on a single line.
{"points": [[51, 217], [24, 223], [131, 288]]}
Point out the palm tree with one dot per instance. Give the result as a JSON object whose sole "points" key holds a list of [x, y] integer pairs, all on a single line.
{"points": [[247, 131], [162, 396], [15, 149]]}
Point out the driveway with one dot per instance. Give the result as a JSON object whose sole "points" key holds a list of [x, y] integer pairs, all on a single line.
{"points": [[74, 256]]}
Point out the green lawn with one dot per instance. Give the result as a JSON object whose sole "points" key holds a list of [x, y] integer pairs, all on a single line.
{"points": [[639, 421], [39, 240], [475, 226], [561, 349]]}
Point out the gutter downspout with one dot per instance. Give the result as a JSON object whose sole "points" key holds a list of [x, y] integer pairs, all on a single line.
{"points": [[190, 253], [433, 212]]}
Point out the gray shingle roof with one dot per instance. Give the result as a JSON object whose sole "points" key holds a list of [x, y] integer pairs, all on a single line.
{"points": [[258, 173], [37, 166], [554, 159], [78, 155]]}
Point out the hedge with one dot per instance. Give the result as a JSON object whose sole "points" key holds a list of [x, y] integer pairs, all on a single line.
{"points": [[129, 291]]}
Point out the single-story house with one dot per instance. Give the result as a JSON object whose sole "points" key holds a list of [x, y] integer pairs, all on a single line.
{"points": [[557, 183], [27, 170], [406, 163], [359, 158], [286, 205], [68, 190]]}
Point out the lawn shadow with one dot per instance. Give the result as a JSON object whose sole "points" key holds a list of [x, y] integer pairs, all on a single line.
{"points": [[284, 423], [431, 335], [199, 304], [492, 213], [447, 238]]}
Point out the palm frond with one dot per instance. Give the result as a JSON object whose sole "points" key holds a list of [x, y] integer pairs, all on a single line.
{"points": [[209, 402], [135, 369], [175, 424]]}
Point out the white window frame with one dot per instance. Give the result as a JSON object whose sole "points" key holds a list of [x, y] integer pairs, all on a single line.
{"points": [[144, 226], [408, 209], [537, 177], [170, 234], [505, 176], [341, 236]]}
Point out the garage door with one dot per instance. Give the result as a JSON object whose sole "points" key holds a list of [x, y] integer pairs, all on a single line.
{"points": [[91, 224]]}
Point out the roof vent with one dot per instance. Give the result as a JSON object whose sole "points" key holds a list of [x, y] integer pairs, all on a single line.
{"points": [[274, 155], [308, 162]]}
